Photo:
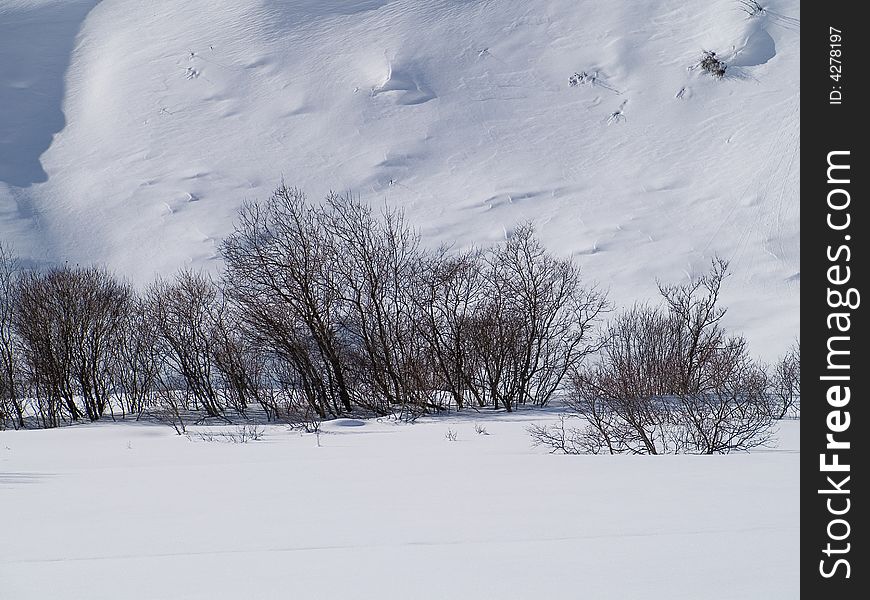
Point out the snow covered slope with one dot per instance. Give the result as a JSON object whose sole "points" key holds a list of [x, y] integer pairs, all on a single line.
{"points": [[131, 131]]}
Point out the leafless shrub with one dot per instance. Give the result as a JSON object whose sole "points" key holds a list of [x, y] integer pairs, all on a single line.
{"points": [[182, 312], [307, 422], [731, 415], [451, 288], [559, 438], [245, 376], [357, 316], [377, 271], [672, 380], [532, 324], [205, 436], [785, 389], [504, 326], [242, 434], [480, 429], [592, 79], [68, 320], [136, 360], [12, 403], [167, 408], [451, 435], [250, 432], [324, 310], [280, 274]]}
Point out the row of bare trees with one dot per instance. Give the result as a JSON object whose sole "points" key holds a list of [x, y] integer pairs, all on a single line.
{"points": [[333, 308], [359, 315], [671, 379], [323, 309]]}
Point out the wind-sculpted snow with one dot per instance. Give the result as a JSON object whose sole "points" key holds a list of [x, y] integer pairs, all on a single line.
{"points": [[36, 41], [167, 115]]}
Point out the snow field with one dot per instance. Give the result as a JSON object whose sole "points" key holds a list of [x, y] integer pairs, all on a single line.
{"points": [[384, 510]]}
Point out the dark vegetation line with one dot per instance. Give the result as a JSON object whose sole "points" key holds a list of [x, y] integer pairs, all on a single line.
{"points": [[333, 309]]}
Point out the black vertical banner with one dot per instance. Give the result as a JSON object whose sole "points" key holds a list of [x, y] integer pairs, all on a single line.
{"points": [[835, 370]]}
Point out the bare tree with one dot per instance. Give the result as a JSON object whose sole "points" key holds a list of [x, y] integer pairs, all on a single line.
{"points": [[722, 393], [731, 415], [243, 367], [786, 383], [182, 312], [451, 289], [695, 308], [68, 320], [532, 326], [379, 267], [11, 402], [137, 362], [624, 395], [673, 380], [281, 270], [43, 325], [324, 310]]}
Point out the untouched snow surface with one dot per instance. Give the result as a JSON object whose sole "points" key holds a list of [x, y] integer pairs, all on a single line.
{"points": [[383, 511], [130, 132]]}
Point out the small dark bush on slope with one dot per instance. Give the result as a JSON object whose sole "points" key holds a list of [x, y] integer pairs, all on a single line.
{"points": [[751, 7], [712, 64]]}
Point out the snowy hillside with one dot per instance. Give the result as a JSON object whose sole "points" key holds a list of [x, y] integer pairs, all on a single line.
{"points": [[130, 132]]}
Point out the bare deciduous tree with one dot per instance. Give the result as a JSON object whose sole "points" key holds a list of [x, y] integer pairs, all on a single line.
{"points": [[377, 273], [357, 314], [785, 386], [673, 380], [731, 415], [280, 274], [451, 290], [242, 364], [11, 402], [68, 320], [532, 326], [137, 360], [182, 312]]}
